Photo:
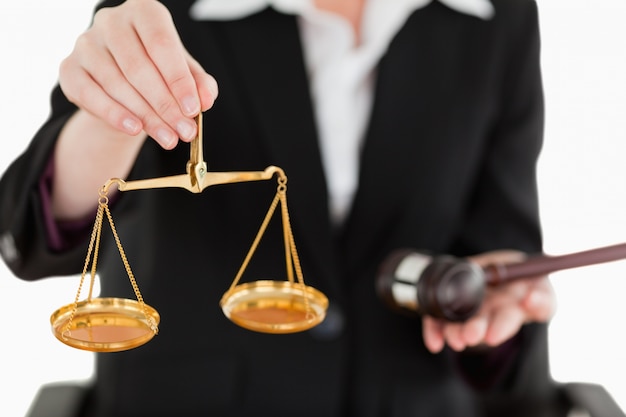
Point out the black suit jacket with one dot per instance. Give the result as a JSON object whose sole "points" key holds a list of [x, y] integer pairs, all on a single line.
{"points": [[448, 165]]}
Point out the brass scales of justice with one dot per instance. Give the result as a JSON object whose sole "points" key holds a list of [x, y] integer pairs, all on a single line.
{"points": [[116, 324]]}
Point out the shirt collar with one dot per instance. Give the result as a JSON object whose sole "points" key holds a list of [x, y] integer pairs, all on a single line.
{"points": [[235, 9]]}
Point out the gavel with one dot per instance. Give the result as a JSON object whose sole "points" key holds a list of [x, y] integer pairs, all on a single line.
{"points": [[452, 288]]}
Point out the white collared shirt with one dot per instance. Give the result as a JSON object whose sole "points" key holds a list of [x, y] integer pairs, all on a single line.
{"points": [[341, 72]]}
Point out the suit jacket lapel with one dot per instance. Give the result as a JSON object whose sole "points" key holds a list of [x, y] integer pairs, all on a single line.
{"points": [[406, 139]]}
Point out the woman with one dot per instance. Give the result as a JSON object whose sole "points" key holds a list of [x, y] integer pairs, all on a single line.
{"points": [[399, 124]]}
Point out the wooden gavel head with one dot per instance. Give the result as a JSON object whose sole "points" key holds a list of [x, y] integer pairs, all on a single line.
{"points": [[442, 286]]}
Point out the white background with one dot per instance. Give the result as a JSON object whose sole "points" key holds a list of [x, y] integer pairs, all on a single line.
{"points": [[582, 184]]}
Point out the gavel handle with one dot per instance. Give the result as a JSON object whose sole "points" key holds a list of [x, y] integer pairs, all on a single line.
{"points": [[544, 264]]}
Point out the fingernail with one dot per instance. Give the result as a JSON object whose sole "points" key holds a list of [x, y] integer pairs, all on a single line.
{"points": [[131, 126], [191, 105], [186, 130], [165, 138]]}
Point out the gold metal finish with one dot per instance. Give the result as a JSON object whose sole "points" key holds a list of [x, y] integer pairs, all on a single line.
{"points": [[275, 306], [197, 177], [105, 324], [115, 324]]}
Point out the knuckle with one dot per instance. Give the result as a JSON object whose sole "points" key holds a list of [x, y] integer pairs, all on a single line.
{"points": [[71, 86], [132, 67], [159, 9], [65, 68], [83, 41], [161, 39], [178, 81], [80, 96], [164, 107], [105, 16]]}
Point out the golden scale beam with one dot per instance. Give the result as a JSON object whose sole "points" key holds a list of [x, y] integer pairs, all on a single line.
{"points": [[197, 177], [115, 324]]}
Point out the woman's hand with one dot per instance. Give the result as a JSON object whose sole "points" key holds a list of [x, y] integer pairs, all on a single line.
{"points": [[131, 70], [504, 310]]}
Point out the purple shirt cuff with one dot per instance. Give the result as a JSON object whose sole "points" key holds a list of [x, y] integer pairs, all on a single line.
{"points": [[60, 235]]}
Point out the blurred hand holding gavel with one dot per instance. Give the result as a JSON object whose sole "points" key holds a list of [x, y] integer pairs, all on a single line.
{"points": [[463, 301]]}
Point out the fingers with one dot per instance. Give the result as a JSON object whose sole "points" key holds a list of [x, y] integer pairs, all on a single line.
{"points": [[504, 324], [159, 44], [131, 70], [497, 257], [505, 309], [432, 332], [458, 336], [473, 332], [502, 315], [490, 331], [80, 88], [540, 302], [206, 84], [150, 55]]}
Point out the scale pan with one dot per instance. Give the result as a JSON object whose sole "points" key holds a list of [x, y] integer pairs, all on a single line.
{"points": [[275, 306], [105, 324]]}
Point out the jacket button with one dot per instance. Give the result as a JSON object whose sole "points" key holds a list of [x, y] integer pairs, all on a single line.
{"points": [[333, 325]]}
